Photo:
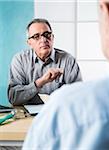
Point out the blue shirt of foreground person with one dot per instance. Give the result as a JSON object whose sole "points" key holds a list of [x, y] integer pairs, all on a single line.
{"points": [[77, 118], [77, 115]]}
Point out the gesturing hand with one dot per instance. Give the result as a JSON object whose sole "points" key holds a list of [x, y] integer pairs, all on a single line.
{"points": [[49, 76]]}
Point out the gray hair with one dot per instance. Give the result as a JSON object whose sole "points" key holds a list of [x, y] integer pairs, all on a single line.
{"points": [[39, 20]]}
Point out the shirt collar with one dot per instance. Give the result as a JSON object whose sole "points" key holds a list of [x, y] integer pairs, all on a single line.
{"points": [[52, 56], [35, 58]]}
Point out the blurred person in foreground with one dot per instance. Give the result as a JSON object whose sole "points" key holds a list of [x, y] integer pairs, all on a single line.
{"points": [[41, 69], [77, 115]]}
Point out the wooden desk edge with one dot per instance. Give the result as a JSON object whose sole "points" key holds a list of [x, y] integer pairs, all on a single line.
{"points": [[12, 132]]}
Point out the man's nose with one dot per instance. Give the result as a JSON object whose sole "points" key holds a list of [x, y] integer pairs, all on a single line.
{"points": [[43, 39]]}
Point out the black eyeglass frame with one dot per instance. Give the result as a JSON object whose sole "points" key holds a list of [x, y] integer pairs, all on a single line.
{"points": [[45, 34]]}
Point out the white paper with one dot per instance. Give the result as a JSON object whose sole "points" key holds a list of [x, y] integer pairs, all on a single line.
{"points": [[34, 109]]}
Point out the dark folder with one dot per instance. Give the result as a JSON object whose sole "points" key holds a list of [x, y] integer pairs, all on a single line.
{"points": [[5, 109]]}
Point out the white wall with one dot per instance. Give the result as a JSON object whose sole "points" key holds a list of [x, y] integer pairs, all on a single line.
{"points": [[76, 29]]}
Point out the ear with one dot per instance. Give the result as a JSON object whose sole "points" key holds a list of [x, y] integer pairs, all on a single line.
{"points": [[53, 37], [29, 42]]}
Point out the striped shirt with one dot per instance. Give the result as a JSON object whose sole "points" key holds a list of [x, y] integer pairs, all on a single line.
{"points": [[26, 67]]}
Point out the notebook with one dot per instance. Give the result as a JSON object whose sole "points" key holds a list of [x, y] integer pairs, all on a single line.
{"points": [[5, 109], [33, 109]]}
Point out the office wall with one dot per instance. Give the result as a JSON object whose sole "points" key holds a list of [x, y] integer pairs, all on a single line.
{"points": [[14, 17], [89, 53], [75, 27], [76, 30]]}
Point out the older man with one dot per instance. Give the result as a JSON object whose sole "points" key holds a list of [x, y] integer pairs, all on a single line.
{"points": [[42, 69], [77, 115]]}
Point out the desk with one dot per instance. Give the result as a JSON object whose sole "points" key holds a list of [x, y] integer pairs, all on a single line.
{"points": [[13, 133]]}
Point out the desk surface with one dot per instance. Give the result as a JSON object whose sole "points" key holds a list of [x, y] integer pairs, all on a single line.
{"points": [[15, 130]]}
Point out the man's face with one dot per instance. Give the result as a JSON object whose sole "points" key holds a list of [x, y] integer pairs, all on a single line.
{"points": [[40, 39], [104, 26]]}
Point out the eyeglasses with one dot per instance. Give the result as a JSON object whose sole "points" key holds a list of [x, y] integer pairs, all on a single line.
{"points": [[45, 34]]}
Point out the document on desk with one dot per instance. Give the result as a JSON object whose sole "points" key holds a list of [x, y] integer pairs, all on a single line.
{"points": [[5, 109], [33, 109]]}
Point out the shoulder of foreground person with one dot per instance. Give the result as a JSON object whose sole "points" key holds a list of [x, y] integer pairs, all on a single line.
{"points": [[80, 95], [73, 110], [80, 98]]}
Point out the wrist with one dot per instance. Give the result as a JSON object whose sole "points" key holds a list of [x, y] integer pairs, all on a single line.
{"points": [[39, 82]]}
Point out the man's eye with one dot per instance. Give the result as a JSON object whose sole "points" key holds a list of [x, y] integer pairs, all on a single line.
{"points": [[47, 35], [36, 36]]}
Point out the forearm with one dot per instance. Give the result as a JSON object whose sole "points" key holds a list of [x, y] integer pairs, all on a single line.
{"points": [[20, 94]]}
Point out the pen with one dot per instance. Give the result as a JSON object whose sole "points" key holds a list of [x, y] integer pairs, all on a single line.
{"points": [[6, 117]]}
